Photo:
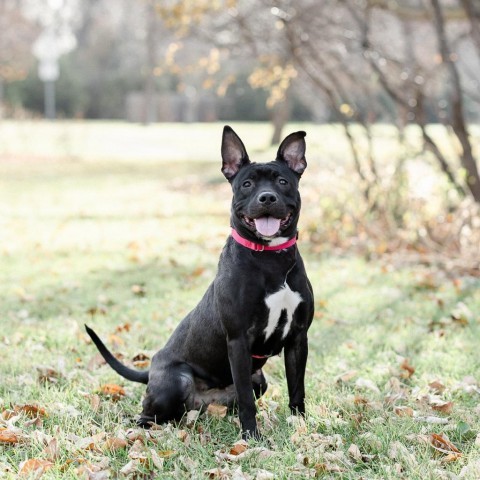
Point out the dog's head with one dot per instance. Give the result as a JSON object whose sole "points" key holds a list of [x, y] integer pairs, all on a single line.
{"points": [[266, 202]]}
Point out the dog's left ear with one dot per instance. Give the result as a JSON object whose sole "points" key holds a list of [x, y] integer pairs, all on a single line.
{"points": [[234, 154], [292, 152]]}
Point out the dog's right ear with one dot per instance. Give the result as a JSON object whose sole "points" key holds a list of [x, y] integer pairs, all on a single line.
{"points": [[234, 155]]}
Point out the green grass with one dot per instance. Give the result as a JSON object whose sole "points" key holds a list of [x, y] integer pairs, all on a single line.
{"points": [[88, 210]]}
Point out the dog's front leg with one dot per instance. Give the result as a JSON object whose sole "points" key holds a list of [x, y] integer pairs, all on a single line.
{"points": [[296, 353], [241, 366]]}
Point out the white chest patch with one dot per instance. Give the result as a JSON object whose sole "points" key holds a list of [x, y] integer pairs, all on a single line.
{"points": [[284, 299]]}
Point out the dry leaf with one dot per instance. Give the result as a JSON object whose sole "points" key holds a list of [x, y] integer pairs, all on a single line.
{"points": [[432, 419], [403, 411], [130, 468], [354, 452], [366, 383], [156, 459], [48, 374], [442, 444], [7, 436], [123, 328], [257, 452], [90, 443], [346, 376], [219, 473], [31, 411], [52, 450], [115, 340], [192, 417], [34, 466], [116, 392], [114, 443], [239, 447], [437, 386], [218, 411], [139, 290], [408, 370], [444, 407], [94, 402]]}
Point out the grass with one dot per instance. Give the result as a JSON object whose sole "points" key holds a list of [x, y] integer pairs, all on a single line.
{"points": [[120, 227]]}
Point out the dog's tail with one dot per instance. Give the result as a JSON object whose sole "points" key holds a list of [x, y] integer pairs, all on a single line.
{"points": [[120, 368]]}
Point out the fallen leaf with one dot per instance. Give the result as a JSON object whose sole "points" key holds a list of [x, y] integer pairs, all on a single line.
{"points": [[366, 383], [116, 392], [257, 452], [7, 436], [91, 443], [130, 468], [48, 374], [354, 452], [139, 290], [442, 444], [444, 407], [408, 370], [114, 443], [219, 473], [192, 417], [217, 411], [346, 376], [34, 466], [437, 386], [31, 411], [403, 411], [115, 340], [239, 447], [52, 450], [432, 419], [123, 328], [156, 459]]}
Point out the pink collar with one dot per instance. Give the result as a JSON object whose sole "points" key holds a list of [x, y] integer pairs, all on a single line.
{"points": [[257, 247]]}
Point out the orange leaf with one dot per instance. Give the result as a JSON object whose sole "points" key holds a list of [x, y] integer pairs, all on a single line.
{"points": [[404, 411], [112, 390], [7, 436], [31, 411], [238, 448], [437, 387], [408, 370], [34, 465], [122, 328], [442, 444], [444, 407], [114, 443]]}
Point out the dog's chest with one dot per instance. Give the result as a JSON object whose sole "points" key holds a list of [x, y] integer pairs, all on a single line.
{"points": [[281, 307]]}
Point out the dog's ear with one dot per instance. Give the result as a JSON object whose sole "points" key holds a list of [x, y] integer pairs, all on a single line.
{"points": [[292, 152], [234, 155]]}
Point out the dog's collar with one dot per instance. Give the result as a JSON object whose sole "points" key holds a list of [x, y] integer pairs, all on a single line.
{"points": [[258, 247]]}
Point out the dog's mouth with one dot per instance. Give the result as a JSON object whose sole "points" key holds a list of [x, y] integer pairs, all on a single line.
{"points": [[267, 226]]}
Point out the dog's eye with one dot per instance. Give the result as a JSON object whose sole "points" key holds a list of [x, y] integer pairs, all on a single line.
{"points": [[282, 181], [246, 184]]}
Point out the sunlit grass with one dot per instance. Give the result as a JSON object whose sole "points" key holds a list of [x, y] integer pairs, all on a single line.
{"points": [[81, 226]]}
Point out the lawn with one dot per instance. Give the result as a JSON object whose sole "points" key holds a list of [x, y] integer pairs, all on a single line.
{"points": [[120, 226]]}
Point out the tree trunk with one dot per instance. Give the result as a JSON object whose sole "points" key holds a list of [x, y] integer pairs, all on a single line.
{"points": [[151, 44], [280, 116], [458, 121]]}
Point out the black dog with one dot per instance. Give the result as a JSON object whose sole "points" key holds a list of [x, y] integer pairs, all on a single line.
{"points": [[259, 303]]}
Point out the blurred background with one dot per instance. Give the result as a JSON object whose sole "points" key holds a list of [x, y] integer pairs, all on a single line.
{"points": [[387, 90]]}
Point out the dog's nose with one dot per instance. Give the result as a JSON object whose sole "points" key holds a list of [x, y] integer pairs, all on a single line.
{"points": [[267, 198]]}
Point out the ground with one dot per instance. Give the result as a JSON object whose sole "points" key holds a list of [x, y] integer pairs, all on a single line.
{"points": [[121, 227]]}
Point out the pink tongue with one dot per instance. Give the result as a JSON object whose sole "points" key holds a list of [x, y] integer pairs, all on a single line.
{"points": [[267, 226]]}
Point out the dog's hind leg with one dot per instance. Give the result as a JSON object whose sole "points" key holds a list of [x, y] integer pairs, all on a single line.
{"points": [[259, 382]]}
